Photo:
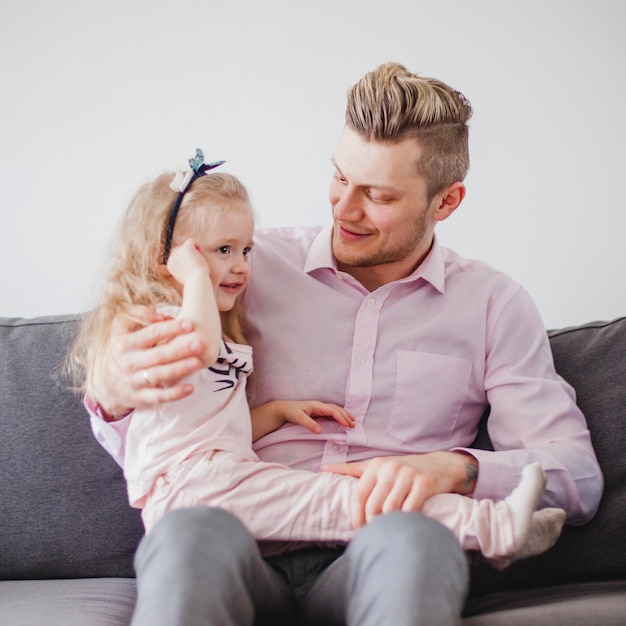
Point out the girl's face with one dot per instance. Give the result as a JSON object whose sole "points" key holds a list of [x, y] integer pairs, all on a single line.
{"points": [[226, 245]]}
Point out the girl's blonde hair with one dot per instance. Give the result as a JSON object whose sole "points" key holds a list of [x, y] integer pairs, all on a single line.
{"points": [[136, 276]]}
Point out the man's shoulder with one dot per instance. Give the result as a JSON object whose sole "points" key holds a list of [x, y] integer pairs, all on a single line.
{"points": [[456, 263], [481, 280]]}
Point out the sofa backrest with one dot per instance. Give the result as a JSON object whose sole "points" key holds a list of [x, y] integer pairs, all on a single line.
{"points": [[63, 506]]}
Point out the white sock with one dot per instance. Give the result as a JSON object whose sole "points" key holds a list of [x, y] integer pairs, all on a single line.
{"points": [[523, 501], [534, 531], [545, 528]]}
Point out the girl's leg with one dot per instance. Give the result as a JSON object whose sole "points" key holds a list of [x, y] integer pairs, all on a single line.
{"points": [[274, 502], [506, 530]]}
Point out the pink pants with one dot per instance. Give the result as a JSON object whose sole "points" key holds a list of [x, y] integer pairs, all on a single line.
{"points": [[278, 503]]}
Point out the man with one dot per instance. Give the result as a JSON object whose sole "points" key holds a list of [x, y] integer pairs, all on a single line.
{"points": [[415, 341]]}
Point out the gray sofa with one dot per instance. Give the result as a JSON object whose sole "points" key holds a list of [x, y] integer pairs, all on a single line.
{"points": [[67, 534]]}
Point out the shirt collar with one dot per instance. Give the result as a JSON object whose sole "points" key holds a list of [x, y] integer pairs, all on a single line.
{"points": [[431, 269], [320, 254]]}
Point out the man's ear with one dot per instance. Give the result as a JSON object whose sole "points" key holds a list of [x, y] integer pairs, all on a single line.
{"points": [[449, 201]]}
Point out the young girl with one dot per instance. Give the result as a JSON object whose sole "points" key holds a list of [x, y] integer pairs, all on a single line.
{"points": [[183, 249]]}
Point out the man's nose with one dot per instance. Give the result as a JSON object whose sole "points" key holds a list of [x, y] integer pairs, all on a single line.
{"points": [[348, 206]]}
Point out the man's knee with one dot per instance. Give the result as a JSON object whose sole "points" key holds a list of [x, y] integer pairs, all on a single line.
{"points": [[206, 530], [198, 520], [412, 565], [197, 566], [410, 535]]}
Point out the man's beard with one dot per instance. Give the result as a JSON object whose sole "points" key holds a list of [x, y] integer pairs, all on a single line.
{"points": [[398, 253]]}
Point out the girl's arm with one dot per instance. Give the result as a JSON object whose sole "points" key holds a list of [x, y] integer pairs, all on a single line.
{"points": [[187, 265], [270, 416]]}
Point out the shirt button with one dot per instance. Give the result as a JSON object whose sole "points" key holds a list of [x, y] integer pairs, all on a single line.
{"points": [[371, 302], [335, 446], [360, 359]]}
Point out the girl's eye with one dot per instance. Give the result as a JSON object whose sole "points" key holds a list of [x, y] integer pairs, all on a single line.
{"points": [[224, 249], [247, 250]]}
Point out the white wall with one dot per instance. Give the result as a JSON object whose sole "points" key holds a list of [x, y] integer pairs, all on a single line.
{"points": [[99, 96]]}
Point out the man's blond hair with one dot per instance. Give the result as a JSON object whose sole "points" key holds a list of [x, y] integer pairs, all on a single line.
{"points": [[391, 104]]}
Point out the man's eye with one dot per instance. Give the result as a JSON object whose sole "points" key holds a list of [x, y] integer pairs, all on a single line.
{"points": [[375, 198]]}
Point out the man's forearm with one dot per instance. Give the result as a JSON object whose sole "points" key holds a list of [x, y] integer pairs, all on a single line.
{"points": [[471, 474]]}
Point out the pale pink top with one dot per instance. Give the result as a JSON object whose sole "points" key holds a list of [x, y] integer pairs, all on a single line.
{"points": [[216, 418]]}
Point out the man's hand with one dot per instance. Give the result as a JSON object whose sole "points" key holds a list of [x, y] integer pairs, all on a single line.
{"points": [[405, 483], [148, 355]]}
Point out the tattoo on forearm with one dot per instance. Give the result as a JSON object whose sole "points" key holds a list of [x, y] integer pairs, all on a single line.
{"points": [[471, 470]]}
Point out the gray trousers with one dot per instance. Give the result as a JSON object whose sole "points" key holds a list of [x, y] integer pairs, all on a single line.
{"points": [[202, 566]]}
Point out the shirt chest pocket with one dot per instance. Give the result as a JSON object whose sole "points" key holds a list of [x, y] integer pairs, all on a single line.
{"points": [[429, 394]]}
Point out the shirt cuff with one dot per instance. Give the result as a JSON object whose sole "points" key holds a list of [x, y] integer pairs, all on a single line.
{"points": [[95, 410], [496, 478], [110, 435]]}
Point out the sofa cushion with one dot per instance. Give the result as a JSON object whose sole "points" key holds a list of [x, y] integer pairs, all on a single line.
{"points": [[584, 604], [63, 506], [592, 358], [83, 602]]}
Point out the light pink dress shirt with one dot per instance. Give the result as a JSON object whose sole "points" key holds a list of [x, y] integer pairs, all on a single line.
{"points": [[416, 362], [197, 451]]}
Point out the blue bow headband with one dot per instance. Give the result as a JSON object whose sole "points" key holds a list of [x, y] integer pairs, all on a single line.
{"points": [[181, 183]]}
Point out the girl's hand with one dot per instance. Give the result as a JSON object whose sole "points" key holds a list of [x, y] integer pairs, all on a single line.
{"points": [[268, 417], [304, 412], [185, 260]]}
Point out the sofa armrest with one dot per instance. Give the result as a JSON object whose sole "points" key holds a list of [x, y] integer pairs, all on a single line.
{"points": [[64, 512]]}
